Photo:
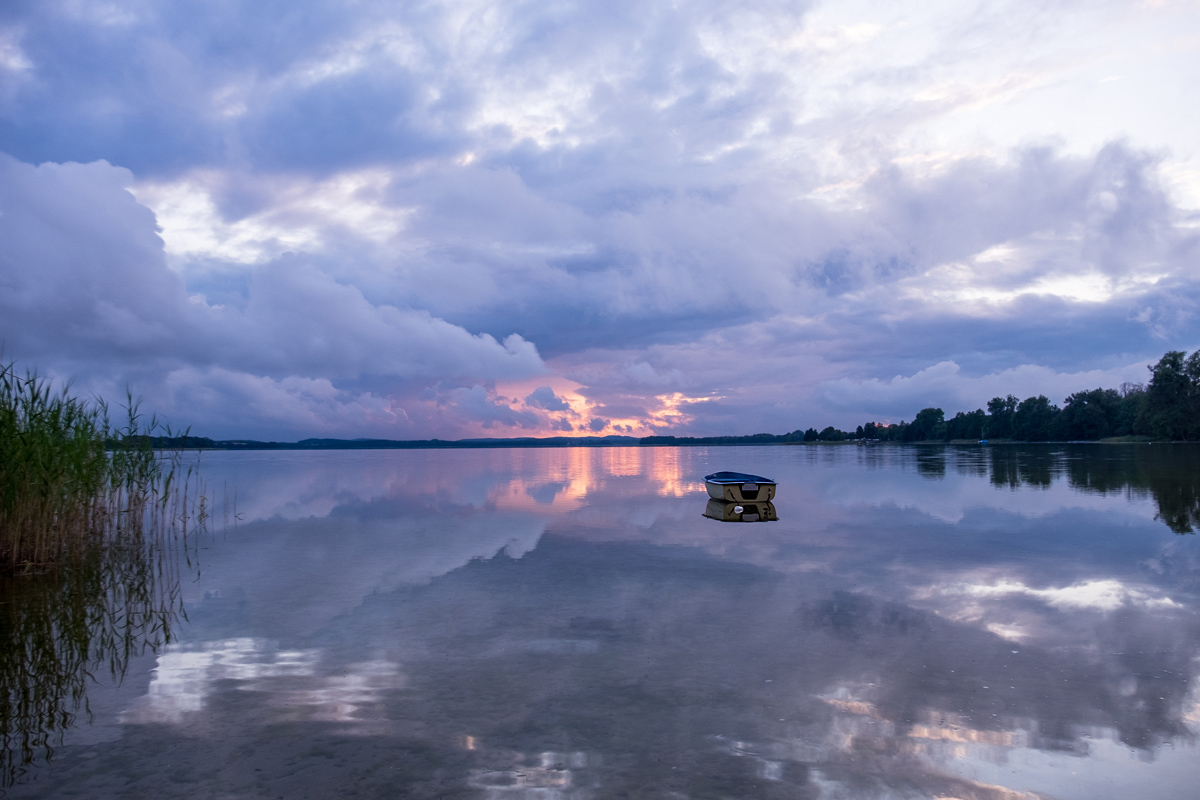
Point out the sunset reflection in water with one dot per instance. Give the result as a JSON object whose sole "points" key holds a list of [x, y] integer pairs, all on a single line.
{"points": [[569, 476]]}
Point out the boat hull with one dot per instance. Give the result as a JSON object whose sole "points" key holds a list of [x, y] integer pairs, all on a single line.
{"points": [[740, 492]]}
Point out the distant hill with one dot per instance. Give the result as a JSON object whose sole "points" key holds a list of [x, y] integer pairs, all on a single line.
{"points": [[205, 443]]}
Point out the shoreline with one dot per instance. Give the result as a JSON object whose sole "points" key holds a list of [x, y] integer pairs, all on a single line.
{"points": [[603, 442]]}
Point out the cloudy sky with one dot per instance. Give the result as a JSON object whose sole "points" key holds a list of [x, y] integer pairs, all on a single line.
{"points": [[505, 218]]}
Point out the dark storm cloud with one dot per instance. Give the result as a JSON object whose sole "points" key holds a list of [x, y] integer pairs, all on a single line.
{"points": [[544, 397], [86, 289], [156, 88], [82, 266], [863, 279], [479, 406]]}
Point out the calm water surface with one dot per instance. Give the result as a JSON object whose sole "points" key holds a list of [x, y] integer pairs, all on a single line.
{"points": [[969, 623]]}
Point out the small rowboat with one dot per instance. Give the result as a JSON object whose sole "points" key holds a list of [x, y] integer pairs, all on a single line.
{"points": [[739, 487]]}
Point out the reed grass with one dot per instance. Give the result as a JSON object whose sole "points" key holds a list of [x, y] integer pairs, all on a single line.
{"points": [[94, 527], [69, 478]]}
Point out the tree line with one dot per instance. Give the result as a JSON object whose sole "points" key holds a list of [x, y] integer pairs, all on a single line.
{"points": [[1165, 408]]}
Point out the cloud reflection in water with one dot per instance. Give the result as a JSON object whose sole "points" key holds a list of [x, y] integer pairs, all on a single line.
{"points": [[564, 623]]}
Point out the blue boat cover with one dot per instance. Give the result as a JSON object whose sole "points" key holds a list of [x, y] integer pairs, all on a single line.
{"points": [[736, 477]]}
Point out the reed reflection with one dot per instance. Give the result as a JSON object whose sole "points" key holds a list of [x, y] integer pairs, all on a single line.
{"points": [[65, 628]]}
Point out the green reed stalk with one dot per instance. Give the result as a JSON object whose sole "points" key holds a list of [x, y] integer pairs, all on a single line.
{"points": [[69, 479]]}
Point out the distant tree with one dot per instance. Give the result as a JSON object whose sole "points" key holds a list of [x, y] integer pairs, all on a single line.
{"points": [[966, 426], [810, 435], [1091, 415], [928, 426], [1168, 408], [1001, 413], [1036, 420], [1133, 404], [831, 434], [1172, 396]]}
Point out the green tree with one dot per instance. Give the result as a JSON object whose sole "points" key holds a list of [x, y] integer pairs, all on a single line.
{"points": [[1036, 420], [1172, 397], [966, 425], [1092, 415], [1133, 404], [928, 426], [1001, 411]]}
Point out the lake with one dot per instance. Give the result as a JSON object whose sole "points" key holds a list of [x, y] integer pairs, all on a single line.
{"points": [[966, 622]]}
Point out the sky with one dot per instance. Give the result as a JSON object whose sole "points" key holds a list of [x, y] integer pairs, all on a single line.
{"points": [[278, 220]]}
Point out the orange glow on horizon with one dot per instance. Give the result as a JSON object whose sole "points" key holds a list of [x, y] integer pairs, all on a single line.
{"points": [[664, 412]]}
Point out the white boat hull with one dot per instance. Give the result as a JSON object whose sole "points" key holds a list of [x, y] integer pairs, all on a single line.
{"points": [[741, 492]]}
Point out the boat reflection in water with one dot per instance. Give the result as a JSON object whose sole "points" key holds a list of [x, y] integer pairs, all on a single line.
{"points": [[739, 497], [740, 512]]}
